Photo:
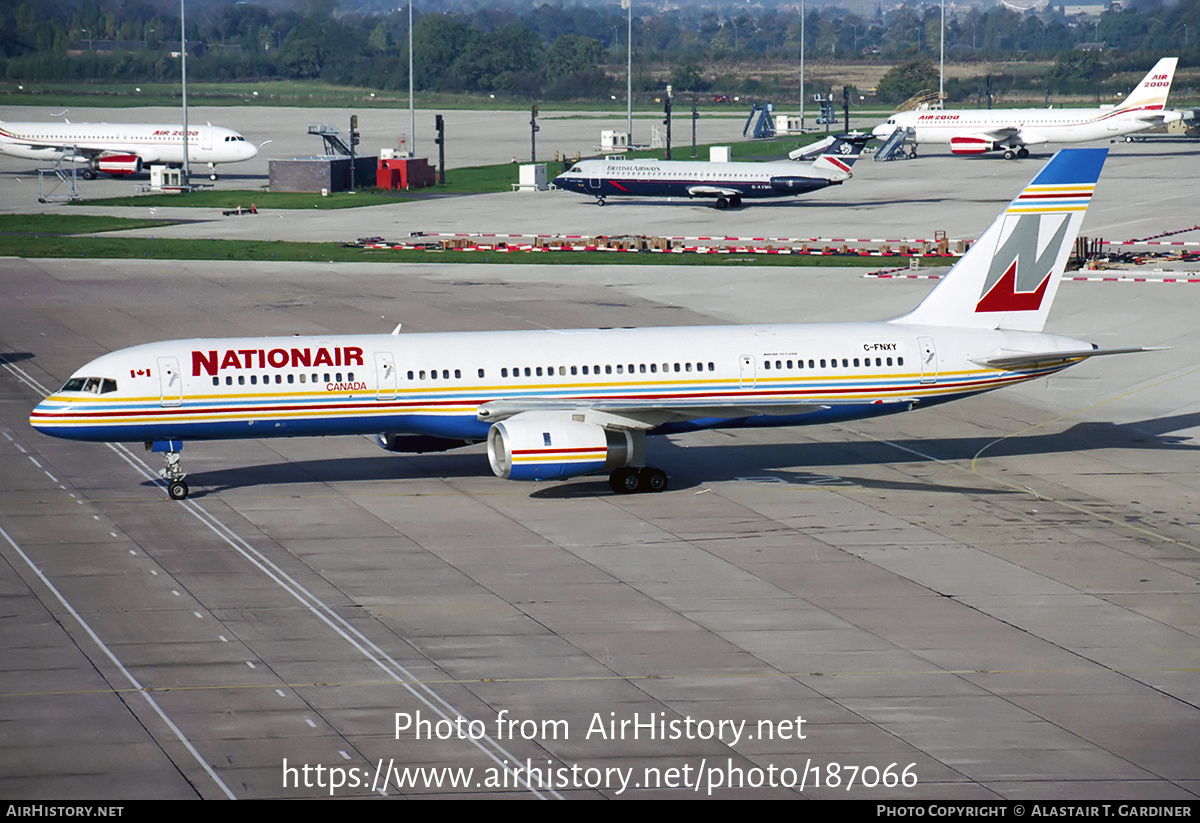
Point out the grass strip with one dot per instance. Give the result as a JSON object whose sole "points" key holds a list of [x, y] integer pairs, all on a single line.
{"points": [[135, 248], [262, 199], [72, 224]]}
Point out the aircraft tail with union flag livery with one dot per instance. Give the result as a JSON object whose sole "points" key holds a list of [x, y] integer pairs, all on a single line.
{"points": [[1008, 278]]}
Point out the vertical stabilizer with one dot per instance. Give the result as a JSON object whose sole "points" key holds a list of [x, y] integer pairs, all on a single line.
{"points": [[1008, 279], [836, 160], [1151, 93]]}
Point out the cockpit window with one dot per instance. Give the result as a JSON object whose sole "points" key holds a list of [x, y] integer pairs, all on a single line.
{"points": [[92, 385], [577, 170]]}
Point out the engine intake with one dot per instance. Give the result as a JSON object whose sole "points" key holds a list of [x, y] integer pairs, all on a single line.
{"points": [[545, 446]]}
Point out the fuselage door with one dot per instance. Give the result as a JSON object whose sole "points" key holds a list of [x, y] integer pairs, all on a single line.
{"points": [[593, 184], [170, 381], [385, 376], [929, 360], [206, 138], [746, 372]]}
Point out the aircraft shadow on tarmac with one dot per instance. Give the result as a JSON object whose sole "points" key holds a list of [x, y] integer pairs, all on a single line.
{"points": [[692, 467], [16, 356]]}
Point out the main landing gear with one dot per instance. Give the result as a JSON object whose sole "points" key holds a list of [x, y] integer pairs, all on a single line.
{"points": [[632, 480], [725, 202], [172, 471], [1010, 153]]}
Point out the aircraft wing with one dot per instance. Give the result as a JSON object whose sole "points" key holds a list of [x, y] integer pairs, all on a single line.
{"points": [[1008, 133], [993, 135], [712, 191], [1018, 362], [648, 414]]}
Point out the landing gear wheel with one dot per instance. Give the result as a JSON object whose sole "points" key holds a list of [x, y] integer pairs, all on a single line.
{"points": [[1009, 154], [722, 203], [625, 481], [1022, 152], [735, 202], [655, 480], [173, 473], [88, 174], [599, 201], [629, 480], [212, 176]]}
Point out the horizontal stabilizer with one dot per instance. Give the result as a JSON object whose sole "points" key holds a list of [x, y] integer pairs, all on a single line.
{"points": [[1018, 362]]}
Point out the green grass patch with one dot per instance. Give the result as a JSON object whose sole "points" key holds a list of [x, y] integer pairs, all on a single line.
{"points": [[72, 224], [254, 250], [481, 179], [261, 198]]}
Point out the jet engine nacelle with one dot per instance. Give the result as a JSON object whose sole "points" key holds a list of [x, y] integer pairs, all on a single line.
{"points": [[791, 184], [546, 446], [119, 164], [971, 145], [417, 443]]}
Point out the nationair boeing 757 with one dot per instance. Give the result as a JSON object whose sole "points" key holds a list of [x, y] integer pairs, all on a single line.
{"points": [[558, 404]]}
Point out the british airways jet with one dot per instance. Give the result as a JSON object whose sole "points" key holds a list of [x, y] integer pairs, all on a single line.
{"points": [[726, 183], [123, 149], [558, 404], [1011, 131]]}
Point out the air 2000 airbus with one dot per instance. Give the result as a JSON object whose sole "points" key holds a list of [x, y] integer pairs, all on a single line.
{"points": [[975, 131], [120, 150], [726, 183], [555, 404]]}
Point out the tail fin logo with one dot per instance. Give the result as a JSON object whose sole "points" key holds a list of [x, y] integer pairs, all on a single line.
{"points": [[1020, 271]]}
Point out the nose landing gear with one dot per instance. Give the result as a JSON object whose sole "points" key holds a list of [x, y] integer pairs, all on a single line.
{"points": [[172, 471]]}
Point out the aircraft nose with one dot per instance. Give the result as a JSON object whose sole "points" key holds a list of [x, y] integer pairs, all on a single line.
{"points": [[38, 417]]}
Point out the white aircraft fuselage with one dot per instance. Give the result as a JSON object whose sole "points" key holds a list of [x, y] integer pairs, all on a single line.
{"points": [[975, 131], [726, 183], [554, 404], [123, 149]]}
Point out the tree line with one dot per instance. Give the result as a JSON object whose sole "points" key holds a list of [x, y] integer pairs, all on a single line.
{"points": [[560, 52]]}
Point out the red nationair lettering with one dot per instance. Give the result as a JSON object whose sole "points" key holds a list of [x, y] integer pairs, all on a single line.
{"points": [[213, 361]]}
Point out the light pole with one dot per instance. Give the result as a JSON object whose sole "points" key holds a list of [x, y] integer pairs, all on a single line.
{"points": [[183, 78], [942, 58], [412, 112], [628, 5], [802, 15]]}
